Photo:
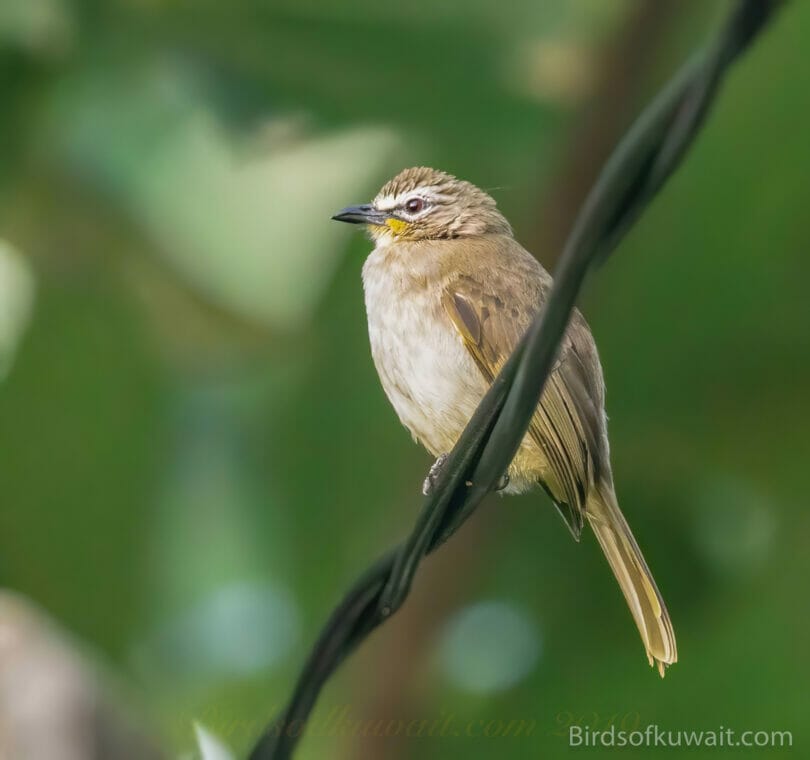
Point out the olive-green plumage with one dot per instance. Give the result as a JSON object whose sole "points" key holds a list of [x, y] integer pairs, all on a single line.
{"points": [[449, 293]]}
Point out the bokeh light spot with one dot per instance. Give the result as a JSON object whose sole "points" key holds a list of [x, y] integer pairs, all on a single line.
{"points": [[735, 527], [489, 647]]}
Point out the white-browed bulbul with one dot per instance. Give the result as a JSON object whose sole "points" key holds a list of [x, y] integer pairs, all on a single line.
{"points": [[449, 292]]}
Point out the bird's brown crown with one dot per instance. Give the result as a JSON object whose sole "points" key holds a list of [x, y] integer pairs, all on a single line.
{"points": [[421, 203]]}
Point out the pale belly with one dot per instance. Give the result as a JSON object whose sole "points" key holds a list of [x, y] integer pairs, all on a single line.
{"points": [[429, 377], [431, 381]]}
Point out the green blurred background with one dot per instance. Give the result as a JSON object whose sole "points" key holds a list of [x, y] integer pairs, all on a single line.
{"points": [[197, 457]]}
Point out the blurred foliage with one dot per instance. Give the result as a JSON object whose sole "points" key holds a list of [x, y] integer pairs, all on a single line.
{"points": [[197, 455]]}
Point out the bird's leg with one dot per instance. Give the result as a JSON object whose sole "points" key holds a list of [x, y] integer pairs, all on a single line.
{"points": [[436, 469], [433, 474], [503, 481]]}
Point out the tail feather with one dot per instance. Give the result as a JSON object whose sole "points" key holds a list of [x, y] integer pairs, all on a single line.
{"points": [[634, 577]]}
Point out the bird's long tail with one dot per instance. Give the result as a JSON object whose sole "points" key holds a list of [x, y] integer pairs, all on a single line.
{"points": [[633, 575]]}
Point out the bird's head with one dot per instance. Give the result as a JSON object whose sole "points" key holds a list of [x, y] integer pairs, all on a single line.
{"points": [[426, 204]]}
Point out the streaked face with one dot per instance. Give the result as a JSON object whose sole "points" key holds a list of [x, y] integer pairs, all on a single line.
{"points": [[424, 204], [406, 214]]}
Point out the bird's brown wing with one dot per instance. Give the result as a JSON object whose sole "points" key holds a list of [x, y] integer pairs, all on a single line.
{"points": [[568, 427], [567, 424]]}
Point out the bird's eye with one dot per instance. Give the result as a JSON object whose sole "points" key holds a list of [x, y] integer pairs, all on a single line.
{"points": [[414, 205]]}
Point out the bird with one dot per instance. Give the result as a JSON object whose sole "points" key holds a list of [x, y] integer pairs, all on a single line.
{"points": [[449, 293]]}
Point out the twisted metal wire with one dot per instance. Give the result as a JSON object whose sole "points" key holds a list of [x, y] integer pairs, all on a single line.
{"points": [[639, 166]]}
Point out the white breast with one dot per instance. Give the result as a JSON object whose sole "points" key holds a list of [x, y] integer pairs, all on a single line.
{"points": [[426, 372]]}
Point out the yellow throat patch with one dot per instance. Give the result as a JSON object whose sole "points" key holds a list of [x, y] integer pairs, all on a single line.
{"points": [[397, 226]]}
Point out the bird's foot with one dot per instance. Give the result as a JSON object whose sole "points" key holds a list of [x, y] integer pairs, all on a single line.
{"points": [[433, 474]]}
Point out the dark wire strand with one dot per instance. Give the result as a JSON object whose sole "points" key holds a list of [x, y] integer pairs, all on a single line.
{"points": [[639, 166]]}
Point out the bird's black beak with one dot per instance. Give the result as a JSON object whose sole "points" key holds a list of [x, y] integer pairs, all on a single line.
{"points": [[365, 214]]}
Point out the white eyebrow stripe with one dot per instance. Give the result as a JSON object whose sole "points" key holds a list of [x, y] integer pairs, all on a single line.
{"points": [[389, 202]]}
